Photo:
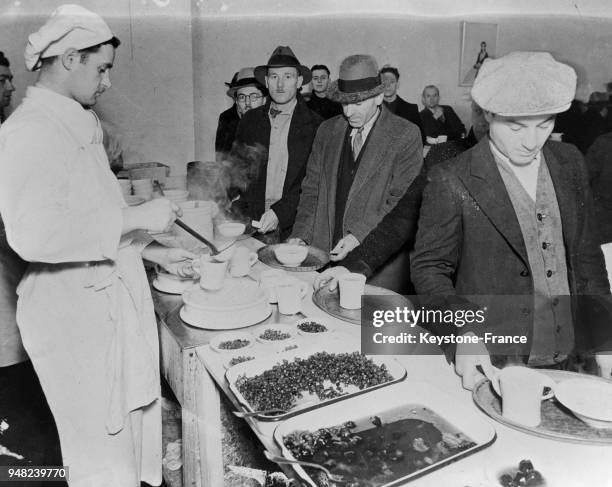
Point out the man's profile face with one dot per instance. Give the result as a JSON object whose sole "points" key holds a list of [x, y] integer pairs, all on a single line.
{"points": [[431, 97], [358, 114], [248, 97], [6, 86], [520, 139], [283, 84], [320, 81], [391, 84], [91, 77]]}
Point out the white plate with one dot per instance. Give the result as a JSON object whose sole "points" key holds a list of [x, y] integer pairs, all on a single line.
{"points": [[215, 321], [170, 284], [590, 400], [391, 404]]}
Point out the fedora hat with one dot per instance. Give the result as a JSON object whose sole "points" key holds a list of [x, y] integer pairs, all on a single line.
{"points": [[358, 80], [244, 77], [282, 57]]}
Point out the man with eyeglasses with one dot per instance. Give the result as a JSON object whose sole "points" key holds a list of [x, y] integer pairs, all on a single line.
{"points": [[247, 93], [281, 132]]}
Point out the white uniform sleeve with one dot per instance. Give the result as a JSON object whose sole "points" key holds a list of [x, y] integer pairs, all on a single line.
{"points": [[45, 221]]}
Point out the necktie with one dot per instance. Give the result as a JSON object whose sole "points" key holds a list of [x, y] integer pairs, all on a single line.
{"points": [[274, 112], [357, 142]]}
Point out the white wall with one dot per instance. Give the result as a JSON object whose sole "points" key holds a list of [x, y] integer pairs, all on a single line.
{"points": [[426, 50]]}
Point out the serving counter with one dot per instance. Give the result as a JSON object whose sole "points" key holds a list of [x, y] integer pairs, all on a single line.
{"points": [[197, 377]]}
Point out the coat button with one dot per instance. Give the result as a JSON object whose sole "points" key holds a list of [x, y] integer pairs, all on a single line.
{"points": [[524, 273], [548, 273], [539, 217], [558, 328], [544, 245]]}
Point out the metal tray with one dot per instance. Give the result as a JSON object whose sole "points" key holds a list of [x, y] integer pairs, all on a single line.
{"points": [[315, 260], [393, 403], [329, 301], [260, 365], [558, 423]]}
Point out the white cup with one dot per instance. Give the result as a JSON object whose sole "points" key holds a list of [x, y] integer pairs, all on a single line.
{"points": [[351, 289], [521, 390], [290, 292], [241, 262], [212, 273], [268, 280], [126, 186]]}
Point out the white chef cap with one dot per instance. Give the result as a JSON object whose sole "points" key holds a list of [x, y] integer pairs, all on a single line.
{"points": [[70, 26]]}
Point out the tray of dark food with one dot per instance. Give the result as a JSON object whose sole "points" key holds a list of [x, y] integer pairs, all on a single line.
{"points": [[329, 301], [558, 421], [238, 359], [310, 327], [295, 258], [384, 438], [306, 378], [524, 476]]}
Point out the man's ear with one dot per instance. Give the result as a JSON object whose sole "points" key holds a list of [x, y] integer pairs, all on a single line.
{"points": [[70, 57], [300, 81], [379, 98], [267, 86], [488, 116]]}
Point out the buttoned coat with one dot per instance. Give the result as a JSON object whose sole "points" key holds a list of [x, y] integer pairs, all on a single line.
{"points": [[391, 159], [254, 130], [469, 240]]}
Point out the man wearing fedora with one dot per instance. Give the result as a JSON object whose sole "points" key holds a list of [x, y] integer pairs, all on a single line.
{"points": [[285, 128], [247, 93], [508, 223], [360, 166]]}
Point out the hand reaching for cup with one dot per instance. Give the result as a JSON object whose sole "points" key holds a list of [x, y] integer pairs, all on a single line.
{"points": [[469, 357], [329, 277], [343, 247], [157, 215]]}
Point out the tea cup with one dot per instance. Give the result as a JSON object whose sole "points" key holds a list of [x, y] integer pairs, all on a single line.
{"points": [[212, 273], [241, 262], [290, 292], [351, 287], [268, 280]]}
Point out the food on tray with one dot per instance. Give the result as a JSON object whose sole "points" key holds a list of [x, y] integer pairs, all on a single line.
{"points": [[311, 327], [526, 476], [378, 452], [274, 335], [324, 375], [233, 344], [239, 360]]}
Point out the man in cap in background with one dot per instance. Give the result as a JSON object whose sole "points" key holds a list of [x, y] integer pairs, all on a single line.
{"points": [[395, 103], [360, 166], [318, 100], [247, 93], [512, 216], [84, 311], [285, 128], [6, 85]]}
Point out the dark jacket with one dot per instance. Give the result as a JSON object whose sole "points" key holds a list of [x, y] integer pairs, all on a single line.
{"points": [[226, 129], [324, 107], [452, 126], [599, 164], [409, 111], [254, 130], [469, 242]]}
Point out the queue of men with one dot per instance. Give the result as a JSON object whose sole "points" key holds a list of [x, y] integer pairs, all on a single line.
{"points": [[510, 216]]}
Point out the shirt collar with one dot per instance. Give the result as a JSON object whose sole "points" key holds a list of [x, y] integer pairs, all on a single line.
{"points": [[287, 108], [501, 157], [82, 122]]}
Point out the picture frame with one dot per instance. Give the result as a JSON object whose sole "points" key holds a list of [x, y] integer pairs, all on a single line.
{"points": [[474, 37]]}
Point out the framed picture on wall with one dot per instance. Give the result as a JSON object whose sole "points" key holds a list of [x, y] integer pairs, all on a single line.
{"points": [[478, 42]]}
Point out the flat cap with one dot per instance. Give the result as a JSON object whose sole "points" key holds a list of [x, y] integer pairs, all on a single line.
{"points": [[524, 83], [70, 26]]}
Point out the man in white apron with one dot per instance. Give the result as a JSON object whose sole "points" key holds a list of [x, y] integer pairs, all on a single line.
{"points": [[84, 312]]}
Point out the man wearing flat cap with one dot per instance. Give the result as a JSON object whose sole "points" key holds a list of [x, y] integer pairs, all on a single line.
{"points": [[506, 228], [84, 311], [283, 129], [247, 93], [360, 166]]}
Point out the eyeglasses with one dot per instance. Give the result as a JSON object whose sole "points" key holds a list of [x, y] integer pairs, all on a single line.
{"points": [[254, 97]]}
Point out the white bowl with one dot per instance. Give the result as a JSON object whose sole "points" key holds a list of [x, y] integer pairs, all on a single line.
{"points": [[589, 399], [227, 342], [320, 321], [231, 229], [291, 255], [277, 328], [176, 195]]}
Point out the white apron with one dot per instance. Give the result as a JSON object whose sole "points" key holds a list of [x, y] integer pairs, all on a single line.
{"points": [[85, 311]]}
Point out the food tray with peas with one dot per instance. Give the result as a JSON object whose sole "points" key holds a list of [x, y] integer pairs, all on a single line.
{"points": [[307, 378]]}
